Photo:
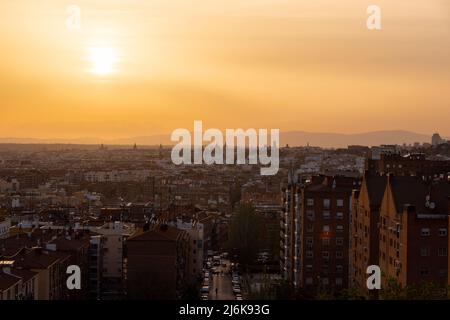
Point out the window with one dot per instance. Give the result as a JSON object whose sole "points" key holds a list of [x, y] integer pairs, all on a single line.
{"points": [[424, 252], [425, 232], [339, 215], [309, 267], [325, 241], [310, 202], [339, 281], [340, 202], [310, 240], [339, 228], [309, 254], [309, 228], [442, 252], [442, 232], [326, 203], [325, 281], [326, 228], [326, 214], [310, 214], [325, 254], [309, 280], [339, 241], [339, 268], [339, 254], [424, 272]]}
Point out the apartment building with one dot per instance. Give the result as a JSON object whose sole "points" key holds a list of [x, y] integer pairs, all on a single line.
{"points": [[413, 241], [95, 267], [158, 263], [112, 255], [365, 230], [196, 251], [50, 268], [315, 227], [5, 224], [407, 165], [9, 286]]}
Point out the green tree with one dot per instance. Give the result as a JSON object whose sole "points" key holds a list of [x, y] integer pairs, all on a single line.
{"points": [[245, 234], [426, 291], [393, 290]]}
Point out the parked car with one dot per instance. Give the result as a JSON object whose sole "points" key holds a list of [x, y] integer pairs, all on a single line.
{"points": [[205, 289], [215, 270]]}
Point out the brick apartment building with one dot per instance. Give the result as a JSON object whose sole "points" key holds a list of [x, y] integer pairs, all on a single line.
{"points": [[365, 229], [315, 232], [407, 165], [410, 178], [414, 230], [158, 263]]}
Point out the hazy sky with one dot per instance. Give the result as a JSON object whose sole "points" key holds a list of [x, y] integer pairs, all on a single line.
{"points": [[307, 65]]}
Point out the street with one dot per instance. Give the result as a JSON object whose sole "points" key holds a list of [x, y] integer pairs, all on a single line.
{"points": [[222, 281]]}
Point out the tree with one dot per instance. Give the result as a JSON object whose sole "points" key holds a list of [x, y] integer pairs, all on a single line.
{"points": [[418, 291], [393, 290], [244, 234]]}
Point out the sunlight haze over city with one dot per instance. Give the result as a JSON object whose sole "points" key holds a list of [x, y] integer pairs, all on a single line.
{"points": [[139, 67]]}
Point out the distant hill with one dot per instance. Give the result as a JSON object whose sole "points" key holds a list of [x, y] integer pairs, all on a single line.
{"points": [[293, 138], [296, 138]]}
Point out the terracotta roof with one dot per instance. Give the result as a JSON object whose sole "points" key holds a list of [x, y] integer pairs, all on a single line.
{"points": [[24, 274], [414, 190], [160, 233], [63, 244], [7, 280], [376, 186], [36, 259], [330, 183]]}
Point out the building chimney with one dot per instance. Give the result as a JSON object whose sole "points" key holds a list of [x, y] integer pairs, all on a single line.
{"points": [[409, 208]]}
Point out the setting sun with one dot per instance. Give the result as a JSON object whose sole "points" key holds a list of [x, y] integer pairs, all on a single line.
{"points": [[103, 60]]}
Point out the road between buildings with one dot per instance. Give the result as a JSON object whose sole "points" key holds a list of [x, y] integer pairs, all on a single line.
{"points": [[222, 282]]}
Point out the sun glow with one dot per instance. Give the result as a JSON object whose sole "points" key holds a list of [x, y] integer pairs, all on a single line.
{"points": [[103, 60]]}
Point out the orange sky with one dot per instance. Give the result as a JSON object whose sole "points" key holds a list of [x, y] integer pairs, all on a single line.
{"points": [[307, 65]]}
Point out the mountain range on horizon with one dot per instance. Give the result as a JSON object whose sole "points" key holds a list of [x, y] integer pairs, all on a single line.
{"points": [[292, 138]]}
